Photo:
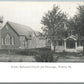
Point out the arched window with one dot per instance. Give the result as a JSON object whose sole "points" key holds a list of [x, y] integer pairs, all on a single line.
{"points": [[7, 39], [12, 41]]}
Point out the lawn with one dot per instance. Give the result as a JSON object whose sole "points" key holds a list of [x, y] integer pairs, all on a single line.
{"points": [[44, 56], [16, 58], [69, 57]]}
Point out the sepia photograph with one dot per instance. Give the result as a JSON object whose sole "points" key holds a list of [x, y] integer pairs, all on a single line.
{"points": [[42, 41], [42, 31]]}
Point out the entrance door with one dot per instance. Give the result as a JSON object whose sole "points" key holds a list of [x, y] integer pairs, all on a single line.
{"points": [[70, 43]]}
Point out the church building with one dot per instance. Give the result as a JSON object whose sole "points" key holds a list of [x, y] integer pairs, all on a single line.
{"points": [[17, 36]]}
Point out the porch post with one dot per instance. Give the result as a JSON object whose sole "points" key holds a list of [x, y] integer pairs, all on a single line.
{"points": [[52, 47], [65, 44], [75, 44]]}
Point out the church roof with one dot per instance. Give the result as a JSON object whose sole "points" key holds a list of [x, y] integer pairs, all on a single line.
{"points": [[21, 29]]}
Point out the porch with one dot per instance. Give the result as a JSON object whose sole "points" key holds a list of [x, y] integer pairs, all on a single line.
{"points": [[70, 44]]}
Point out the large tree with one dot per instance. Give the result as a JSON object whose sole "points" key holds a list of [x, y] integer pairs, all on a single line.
{"points": [[53, 24], [78, 21]]}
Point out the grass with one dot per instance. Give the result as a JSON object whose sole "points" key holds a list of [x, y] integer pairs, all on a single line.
{"points": [[16, 58], [58, 57], [69, 57], [20, 55], [41, 55]]}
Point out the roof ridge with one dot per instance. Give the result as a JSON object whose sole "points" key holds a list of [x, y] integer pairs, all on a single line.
{"points": [[21, 29], [19, 24]]}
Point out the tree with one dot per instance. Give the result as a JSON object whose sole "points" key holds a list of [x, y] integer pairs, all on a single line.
{"points": [[53, 22], [79, 23], [71, 24]]}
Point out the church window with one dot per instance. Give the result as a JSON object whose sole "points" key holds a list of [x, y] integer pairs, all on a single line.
{"points": [[7, 39]]}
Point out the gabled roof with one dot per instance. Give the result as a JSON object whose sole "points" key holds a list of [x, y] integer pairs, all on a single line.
{"points": [[72, 37], [21, 29]]}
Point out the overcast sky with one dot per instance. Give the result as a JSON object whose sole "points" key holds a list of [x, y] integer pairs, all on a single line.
{"points": [[30, 13]]}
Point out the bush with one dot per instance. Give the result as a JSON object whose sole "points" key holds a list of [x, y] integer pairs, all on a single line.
{"points": [[44, 56], [27, 52], [18, 52]]}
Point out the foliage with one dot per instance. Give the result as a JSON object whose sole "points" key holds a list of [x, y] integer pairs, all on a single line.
{"points": [[44, 56], [71, 27], [53, 22], [77, 22]]}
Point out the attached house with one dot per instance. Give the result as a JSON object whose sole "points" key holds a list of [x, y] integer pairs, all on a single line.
{"points": [[14, 36], [70, 44]]}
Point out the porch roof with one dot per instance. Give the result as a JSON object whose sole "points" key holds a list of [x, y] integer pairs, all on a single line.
{"points": [[72, 37]]}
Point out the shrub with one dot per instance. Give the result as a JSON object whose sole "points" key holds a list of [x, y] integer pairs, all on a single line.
{"points": [[9, 60], [27, 52], [44, 56]]}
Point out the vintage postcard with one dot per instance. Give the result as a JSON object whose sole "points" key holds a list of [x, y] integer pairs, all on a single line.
{"points": [[50, 31], [41, 31], [41, 41]]}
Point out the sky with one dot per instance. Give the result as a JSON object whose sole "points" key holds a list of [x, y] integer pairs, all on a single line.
{"points": [[30, 13]]}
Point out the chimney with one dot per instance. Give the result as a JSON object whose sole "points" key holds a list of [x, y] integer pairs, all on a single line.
{"points": [[1, 21]]}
